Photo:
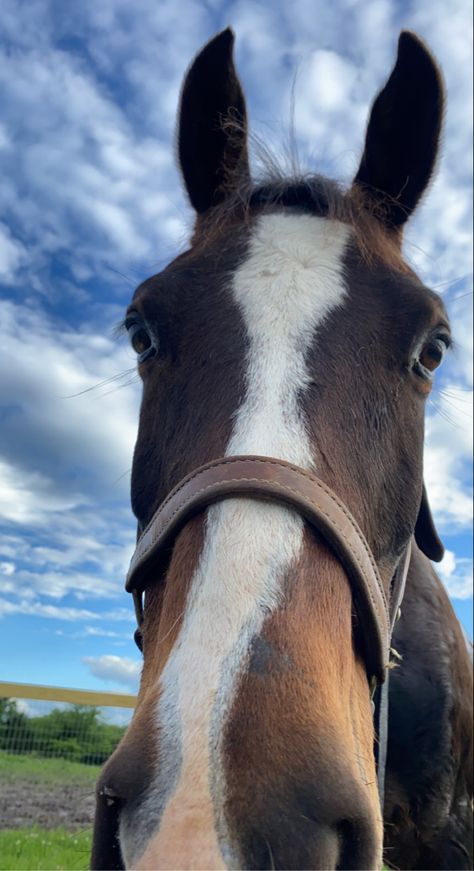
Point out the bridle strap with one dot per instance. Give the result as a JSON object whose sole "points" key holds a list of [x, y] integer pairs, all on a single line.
{"points": [[383, 698], [398, 586], [276, 481]]}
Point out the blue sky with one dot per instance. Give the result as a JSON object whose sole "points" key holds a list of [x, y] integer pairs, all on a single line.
{"points": [[91, 204]]}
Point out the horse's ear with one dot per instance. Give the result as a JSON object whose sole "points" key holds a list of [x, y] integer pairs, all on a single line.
{"points": [[403, 133], [212, 135], [426, 536]]}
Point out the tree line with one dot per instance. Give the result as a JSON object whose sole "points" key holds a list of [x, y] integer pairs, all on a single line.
{"points": [[77, 733]]}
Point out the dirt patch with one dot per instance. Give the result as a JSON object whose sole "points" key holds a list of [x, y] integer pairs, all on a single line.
{"points": [[24, 803]]}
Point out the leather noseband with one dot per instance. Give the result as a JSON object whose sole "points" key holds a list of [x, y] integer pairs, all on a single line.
{"points": [[278, 481]]}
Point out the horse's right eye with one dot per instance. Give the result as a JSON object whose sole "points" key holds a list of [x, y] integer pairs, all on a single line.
{"points": [[140, 339], [431, 356]]}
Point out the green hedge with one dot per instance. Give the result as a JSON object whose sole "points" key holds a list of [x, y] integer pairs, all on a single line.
{"points": [[77, 733]]}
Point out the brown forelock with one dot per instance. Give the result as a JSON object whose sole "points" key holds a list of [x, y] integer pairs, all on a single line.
{"points": [[430, 737], [364, 407], [298, 743]]}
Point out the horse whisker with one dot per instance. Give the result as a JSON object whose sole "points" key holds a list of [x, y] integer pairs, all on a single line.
{"points": [[100, 383]]}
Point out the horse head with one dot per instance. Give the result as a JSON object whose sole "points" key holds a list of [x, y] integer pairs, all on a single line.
{"points": [[291, 328]]}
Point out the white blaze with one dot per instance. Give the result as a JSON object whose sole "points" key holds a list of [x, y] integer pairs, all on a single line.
{"points": [[291, 279]]}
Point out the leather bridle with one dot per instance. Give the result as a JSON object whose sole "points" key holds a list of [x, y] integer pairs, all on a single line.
{"points": [[274, 480]]}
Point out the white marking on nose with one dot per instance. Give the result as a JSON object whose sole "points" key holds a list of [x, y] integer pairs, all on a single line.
{"points": [[290, 281]]}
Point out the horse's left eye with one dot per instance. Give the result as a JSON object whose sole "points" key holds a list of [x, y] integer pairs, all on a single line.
{"points": [[431, 356], [140, 340]]}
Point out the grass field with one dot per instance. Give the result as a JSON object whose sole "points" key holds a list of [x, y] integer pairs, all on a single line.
{"points": [[41, 770], [36, 849], [46, 808]]}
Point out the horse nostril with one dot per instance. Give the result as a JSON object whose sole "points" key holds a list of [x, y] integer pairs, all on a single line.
{"points": [[125, 775], [106, 852], [110, 795], [355, 837]]}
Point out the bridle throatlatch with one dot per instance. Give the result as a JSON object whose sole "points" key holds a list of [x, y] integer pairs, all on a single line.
{"points": [[274, 480]]}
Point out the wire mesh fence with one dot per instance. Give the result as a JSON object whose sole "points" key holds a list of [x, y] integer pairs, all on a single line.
{"points": [[79, 726]]}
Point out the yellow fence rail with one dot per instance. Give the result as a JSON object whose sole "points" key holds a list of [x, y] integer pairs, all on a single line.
{"points": [[64, 694], [79, 725]]}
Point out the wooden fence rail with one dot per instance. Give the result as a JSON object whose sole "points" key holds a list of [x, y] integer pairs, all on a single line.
{"points": [[64, 694]]}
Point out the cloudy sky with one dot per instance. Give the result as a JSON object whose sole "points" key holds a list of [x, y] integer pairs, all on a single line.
{"points": [[91, 204]]}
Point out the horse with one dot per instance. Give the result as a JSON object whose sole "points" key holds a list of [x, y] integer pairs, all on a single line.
{"points": [[277, 481], [428, 797]]}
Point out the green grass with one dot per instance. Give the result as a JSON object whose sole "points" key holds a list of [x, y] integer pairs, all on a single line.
{"points": [[41, 849], [36, 849], [41, 770]]}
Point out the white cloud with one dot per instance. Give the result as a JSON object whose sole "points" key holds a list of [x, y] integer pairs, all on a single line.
{"points": [[331, 79], [12, 254], [52, 422], [37, 609], [58, 584], [34, 608], [121, 614], [456, 575], [82, 182], [116, 716], [36, 708], [461, 314], [71, 540], [115, 669], [26, 498], [100, 632], [447, 459]]}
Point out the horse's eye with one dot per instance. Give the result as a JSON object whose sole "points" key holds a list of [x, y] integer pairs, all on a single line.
{"points": [[431, 356], [140, 340]]}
